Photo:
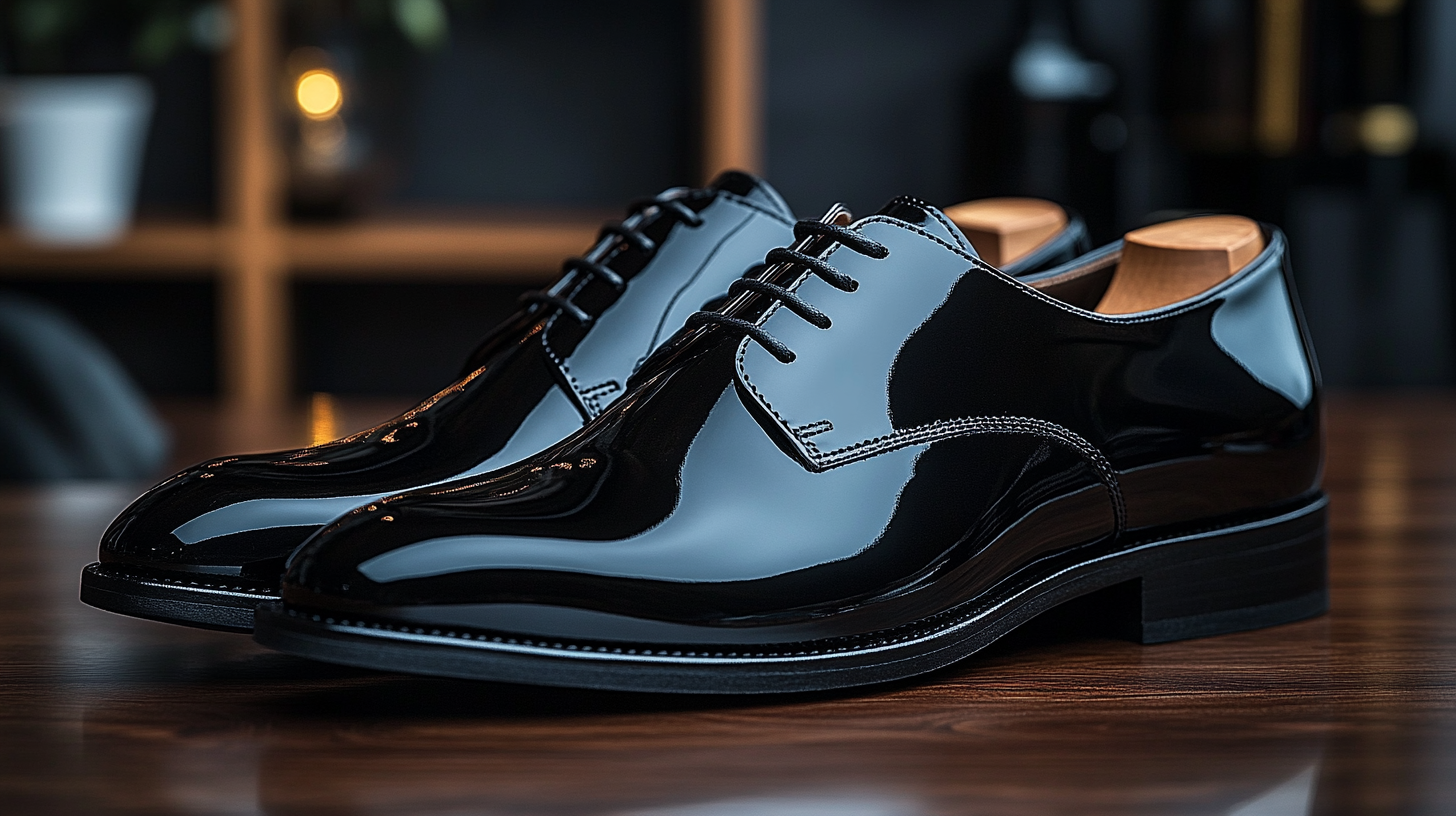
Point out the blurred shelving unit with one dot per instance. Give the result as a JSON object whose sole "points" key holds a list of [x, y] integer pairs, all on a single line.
{"points": [[151, 250], [255, 254]]}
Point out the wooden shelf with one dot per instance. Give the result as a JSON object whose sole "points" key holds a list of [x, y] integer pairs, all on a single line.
{"points": [[526, 251], [495, 251], [151, 250]]}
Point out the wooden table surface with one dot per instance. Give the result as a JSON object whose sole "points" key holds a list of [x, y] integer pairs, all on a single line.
{"points": [[1354, 712]]}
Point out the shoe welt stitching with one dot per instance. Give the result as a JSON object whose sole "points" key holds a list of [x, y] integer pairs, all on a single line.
{"points": [[200, 584], [887, 637]]}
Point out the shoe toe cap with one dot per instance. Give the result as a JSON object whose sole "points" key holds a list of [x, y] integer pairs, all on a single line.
{"points": [[151, 530]]}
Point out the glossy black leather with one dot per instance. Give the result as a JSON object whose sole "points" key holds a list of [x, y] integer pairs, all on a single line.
{"points": [[533, 381], [950, 427]]}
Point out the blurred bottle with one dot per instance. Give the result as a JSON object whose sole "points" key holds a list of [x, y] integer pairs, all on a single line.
{"points": [[351, 71], [1380, 191], [1231, 111], [328, 151], [1044, 120]]}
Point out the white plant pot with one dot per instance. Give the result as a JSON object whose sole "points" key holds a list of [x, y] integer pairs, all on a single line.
{"points": [[73, 153]]}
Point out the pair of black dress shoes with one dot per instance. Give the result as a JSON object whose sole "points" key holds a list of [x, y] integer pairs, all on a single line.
{"points": [[873, 456]]}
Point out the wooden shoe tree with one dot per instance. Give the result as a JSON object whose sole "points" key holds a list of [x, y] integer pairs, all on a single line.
{"points": [[1173, 261], [1005, 229]]}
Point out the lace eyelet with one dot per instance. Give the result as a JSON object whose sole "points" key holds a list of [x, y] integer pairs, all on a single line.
{"points": [[792, 256]]}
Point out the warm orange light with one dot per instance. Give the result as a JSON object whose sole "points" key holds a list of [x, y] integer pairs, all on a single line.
{"points": [[323, 423], [1388, 130], [319, 94]]}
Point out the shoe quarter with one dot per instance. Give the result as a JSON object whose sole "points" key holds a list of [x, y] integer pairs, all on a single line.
{"points": [[924, 343], [833, 400], [694, 265], [1218, 393]]}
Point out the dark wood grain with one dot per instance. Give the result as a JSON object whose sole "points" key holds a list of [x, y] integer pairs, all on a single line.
{"points": [[1350, 713]]}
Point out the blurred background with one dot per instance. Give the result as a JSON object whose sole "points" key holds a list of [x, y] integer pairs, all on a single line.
{"points": [[273, 202]]}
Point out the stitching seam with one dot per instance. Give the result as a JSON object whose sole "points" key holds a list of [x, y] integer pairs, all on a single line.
{"points": [[934, 212], [814, 428], [600, 388], [189, 583], [737, 199], [693, 279], [970, 426]]}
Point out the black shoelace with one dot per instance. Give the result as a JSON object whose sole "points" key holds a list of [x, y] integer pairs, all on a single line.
{"points": [[793, 258], [668, 206]]}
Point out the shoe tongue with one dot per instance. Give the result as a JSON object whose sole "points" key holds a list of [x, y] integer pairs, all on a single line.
{"points": [[754, 189], [917, 212]]}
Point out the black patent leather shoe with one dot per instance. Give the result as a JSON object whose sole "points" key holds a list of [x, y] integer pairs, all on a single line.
{"points": [[877, 458], [206, 546]]}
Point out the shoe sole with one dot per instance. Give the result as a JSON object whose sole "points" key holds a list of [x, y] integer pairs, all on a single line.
{"points": [[1195, 584], [187, 599]]}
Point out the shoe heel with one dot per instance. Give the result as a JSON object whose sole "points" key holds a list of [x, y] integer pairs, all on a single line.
{"points": [[1246, 577]]}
